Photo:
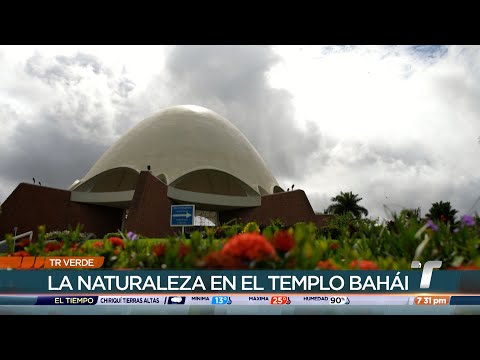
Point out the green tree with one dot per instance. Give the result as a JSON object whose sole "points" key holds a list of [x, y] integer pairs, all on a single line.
{"points": [[442, 211], [411, 214], [346, 202]]}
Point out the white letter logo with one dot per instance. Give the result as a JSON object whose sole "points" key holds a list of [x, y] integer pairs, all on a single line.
{"points": [[427, 271]]}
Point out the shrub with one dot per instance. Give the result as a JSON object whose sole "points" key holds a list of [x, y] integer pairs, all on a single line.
{"points": [[251, 227], [303, 246]]}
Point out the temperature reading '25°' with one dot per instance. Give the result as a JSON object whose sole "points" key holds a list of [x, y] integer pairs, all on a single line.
{"points": [[280, 300]]}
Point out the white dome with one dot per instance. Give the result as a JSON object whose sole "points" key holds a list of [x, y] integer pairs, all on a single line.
{"points": [[187, 147]]}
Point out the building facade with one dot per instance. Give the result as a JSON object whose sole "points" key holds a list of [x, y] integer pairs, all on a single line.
{"points": [[181, 155]]}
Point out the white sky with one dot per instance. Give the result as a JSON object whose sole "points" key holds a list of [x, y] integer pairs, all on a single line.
{"points": [[398, 125]]}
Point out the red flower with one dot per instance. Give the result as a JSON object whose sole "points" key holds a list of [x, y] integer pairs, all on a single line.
{"points": [[327, 265], [21, 253], [250, 246], [116, 251], [363, 265], [159, 249], [116, 241], [334, 246], [23, 243], [53, 246], [217, 260], [443, 218], [283, 241], [183, 250], [98, 244]]}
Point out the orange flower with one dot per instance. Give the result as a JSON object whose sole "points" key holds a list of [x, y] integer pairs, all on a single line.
{"points": [[250, 246], [159, 249], [53, 246], [217, 260], [283, 241], [363, 265], [116, 241], [327, 265], [98, 244], [21, 253]]}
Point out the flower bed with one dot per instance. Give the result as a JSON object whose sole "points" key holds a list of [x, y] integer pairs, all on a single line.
{"points": [[347, 243]]}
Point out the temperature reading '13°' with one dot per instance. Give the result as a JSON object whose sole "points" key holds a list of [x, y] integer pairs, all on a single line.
{"points": [[221, 300]]}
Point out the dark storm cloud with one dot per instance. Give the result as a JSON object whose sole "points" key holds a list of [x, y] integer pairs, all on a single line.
{"points": [[233, 81], [45, 153], [67, 128]]}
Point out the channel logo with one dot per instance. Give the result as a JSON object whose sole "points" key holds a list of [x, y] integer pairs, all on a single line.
{"points": [[175, 300]]}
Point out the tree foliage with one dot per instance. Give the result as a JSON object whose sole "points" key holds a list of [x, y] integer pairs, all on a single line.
{"points": [[346, 202], [442, 211]]}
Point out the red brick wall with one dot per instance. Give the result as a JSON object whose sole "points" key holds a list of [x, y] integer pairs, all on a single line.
{"points": [[149, 213], [96, 219], [32, 205], [290, 207]]}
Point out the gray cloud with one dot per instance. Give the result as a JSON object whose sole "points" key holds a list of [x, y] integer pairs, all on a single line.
{"points": [[429, 53], [73, 119], [84, 60], [45, 153], [50, 71], [60, 113], [233, 81], [88, 106]]}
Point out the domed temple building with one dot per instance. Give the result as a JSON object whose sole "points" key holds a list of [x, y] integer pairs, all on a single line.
{"points": [[180, 155]]}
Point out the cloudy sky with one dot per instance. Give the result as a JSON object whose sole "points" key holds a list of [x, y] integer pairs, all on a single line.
{"points": [[398, 125]]}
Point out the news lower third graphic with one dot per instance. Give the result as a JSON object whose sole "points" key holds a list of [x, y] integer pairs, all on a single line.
{"points": [[247, 300], [73, 285]]}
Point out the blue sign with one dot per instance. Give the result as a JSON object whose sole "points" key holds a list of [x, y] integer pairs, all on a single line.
{"points": [[182, 215]]}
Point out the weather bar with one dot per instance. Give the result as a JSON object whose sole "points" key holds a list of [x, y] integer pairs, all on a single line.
{"points": [[233, 299]]}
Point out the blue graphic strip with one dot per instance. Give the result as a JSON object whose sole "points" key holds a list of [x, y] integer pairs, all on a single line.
{"points": [[465, 300]]}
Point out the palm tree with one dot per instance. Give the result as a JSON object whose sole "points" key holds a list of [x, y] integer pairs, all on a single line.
{"points": [[442, 211], [346, 202]]}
